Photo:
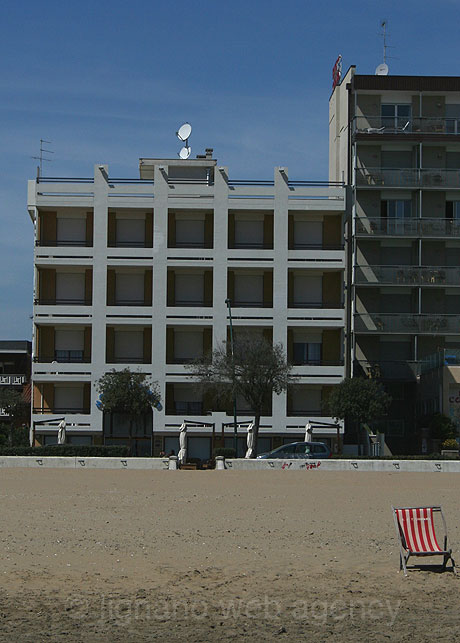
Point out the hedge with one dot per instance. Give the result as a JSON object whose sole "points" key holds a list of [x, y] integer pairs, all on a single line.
{"points": [[226, 452], [69, 450]]}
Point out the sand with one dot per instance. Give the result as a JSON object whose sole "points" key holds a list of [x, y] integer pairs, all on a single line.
{"points": [[210, 555]]}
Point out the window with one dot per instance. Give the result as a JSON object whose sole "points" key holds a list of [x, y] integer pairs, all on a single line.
{"points": [[307, 353], [129, 289], [249, 290], [71, 231], [308, 234], [189, 232], [396, 116], [189, 289], [453, 211], [131, 232], [308, 291]]}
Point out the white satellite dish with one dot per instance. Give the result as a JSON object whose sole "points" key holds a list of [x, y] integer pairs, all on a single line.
{"points": [[382, 70], [184, 131], [185, 152]]}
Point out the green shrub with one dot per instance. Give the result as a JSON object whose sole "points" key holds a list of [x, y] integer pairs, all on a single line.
{"points": [[69, 450], [450, 443], [226, 452]]}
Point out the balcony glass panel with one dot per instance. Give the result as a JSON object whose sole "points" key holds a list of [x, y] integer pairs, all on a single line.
{"points": [[407, 323], [409, 276], [397, 125]]}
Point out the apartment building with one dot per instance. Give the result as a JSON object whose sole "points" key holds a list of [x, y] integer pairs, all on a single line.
{"points": [[15, 368], [135, 273], [396, 141]]}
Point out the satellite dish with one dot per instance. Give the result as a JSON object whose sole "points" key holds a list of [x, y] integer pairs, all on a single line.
{"points": [[185, 152], [184, 131], [382, 70]]}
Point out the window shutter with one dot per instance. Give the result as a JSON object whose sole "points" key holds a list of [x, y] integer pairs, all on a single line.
{"points": [[87, 344], [207, 290], [89, 228], [231, 230], [149, 229], [208, 230], [109, 344], [148, 345], [111, 230], [268, 288], [88, 287], [110, 287], [171, 230], [268, 231]]}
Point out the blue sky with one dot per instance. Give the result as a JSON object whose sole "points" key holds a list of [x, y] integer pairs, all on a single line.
{"points": [[112, 81]]}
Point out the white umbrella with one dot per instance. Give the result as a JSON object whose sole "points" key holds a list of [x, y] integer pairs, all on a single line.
{"points": [[31, 435], [182, 456], [61, 432], [250, 441], [308, 432]]}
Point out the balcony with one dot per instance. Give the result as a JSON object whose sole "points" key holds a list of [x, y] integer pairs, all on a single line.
{"points": [[407, 177], [388, 227], [61, 410], [378, 125], [77, 301], [188, 408], [407, 323], [407, 275], [401, 370]]}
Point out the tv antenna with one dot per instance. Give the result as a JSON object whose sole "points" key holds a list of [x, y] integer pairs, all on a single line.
{"points": [[382, 69], [183, 134], [42, 158]]}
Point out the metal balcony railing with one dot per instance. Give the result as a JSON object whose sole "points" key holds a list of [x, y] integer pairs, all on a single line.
{"points": [[74, 243], [315, 304], [190, 303], [64, 410], [408, 275], [126, 243], [252, 304], [407, 323], [316, 362], [402, 370], [62, 302], [315, 246], [407, 177], [191, 244], [388, 227], [63, 357], [128, 360], [305, 412], [131, 302], [396, 125], [12, 379], [188, 408]]}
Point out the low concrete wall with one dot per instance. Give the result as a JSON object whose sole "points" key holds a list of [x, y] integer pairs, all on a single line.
{"points": [[51, 462], [429, 466]]}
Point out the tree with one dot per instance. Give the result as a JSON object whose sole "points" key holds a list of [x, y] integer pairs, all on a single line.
{"points": [[128, 392], [441, 427], [258, 369], [358, 399], [18, 410]]}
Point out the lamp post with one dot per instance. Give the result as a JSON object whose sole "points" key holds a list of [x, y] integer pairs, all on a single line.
{"points": [[235, 425]]}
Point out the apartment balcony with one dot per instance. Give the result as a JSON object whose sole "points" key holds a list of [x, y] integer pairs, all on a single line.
{"points": [[407, 276], [14, 379], [408, 178], [129, 288], [56, 229], [250, 230], [61, 398], [64, 357], [379, 125], [250, 288], [444, 357], [400, 370], [391, 227], [406, 323], [126, 230]]}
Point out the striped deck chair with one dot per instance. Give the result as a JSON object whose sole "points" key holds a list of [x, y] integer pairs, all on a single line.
{"points": [[417, 536]]}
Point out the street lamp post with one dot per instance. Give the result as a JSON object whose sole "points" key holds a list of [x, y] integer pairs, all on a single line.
{"points": [[235, 424]]}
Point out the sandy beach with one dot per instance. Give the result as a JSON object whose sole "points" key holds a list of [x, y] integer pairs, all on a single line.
{"points": [[208, 555]]}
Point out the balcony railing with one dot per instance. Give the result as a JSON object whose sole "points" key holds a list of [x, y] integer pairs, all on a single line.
{"points": [[407, 323], [251, 245], [119, 243], [402, 370], [63, 357], [407, 276], [305, 412], [389, 125], [190, 244], [315, 246], [314, 304], [77, 243], [407, 177], [131, 302], [65, 410], [316, 362], [63, 302], [252, 304], [128, 360], [188, 408], [190, 303], [388, 227]]}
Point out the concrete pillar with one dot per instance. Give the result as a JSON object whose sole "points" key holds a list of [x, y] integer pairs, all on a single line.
{"points": [[220, 463], [172, 463]]}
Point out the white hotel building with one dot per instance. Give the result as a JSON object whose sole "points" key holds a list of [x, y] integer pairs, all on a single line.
{"points": [[135, 273]]}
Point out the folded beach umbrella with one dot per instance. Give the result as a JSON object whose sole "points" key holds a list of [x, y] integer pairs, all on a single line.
{"points": [[308, 432], [182, 443], [250, 441], [61, 432]]}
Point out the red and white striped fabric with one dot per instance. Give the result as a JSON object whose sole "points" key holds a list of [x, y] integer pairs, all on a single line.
{"points": [[417, 527]]}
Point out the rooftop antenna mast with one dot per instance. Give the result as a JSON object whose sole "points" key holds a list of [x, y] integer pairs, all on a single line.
{"points": [[382, 69], [42, 158]]}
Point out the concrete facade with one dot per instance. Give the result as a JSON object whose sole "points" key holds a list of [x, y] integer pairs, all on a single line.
{"points": [[135, 272]]}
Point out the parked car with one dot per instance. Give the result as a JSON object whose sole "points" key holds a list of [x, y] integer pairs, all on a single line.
{"points": [[298, 450]]}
